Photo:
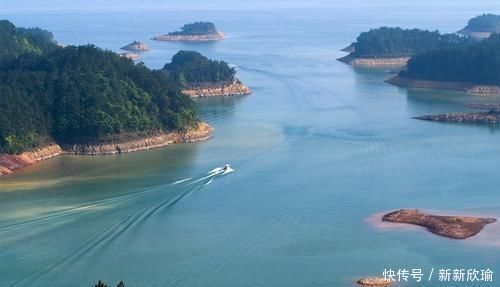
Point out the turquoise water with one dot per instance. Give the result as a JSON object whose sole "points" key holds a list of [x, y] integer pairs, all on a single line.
{"points": [[318, 149]]}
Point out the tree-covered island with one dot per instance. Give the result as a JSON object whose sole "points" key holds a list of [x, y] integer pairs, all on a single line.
{"points": [[482, 26], [199, 76], [474, 68], [193, 32], [84, 100], [387, 46]]}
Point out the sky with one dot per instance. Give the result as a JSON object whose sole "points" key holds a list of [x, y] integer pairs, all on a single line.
{"points": [[34, 5]]}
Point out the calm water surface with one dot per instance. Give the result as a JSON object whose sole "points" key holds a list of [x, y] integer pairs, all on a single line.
{"points": [[318, 149]]}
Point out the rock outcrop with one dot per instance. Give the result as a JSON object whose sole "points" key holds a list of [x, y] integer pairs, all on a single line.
{"points": [[427, 84], [136, 46], [223, 89], [374, 62], [374, 281], [9, 163], [190, 38], [456, 227]]}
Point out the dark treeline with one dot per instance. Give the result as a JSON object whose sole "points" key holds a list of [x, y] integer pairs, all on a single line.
{"points": [[84, 94], [192, 68], [478, 63], [197, 28], [397, 42]]}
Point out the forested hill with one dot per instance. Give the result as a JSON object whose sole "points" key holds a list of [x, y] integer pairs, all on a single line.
{"points": [[15, 42], [478, 63], [192, 68], [483, 23], [389, 42], [84, 95], [197, 28]]}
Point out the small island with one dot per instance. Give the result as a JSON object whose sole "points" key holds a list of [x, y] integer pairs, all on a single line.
{"points": [[470, 68], [482, 26], [374, 281], [393, 46], [455, 227], [88, 101], [193, 32], [491, 116], [201, 77], [136, 46]]}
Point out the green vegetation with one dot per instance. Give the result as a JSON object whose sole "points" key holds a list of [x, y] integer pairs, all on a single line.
{"points": [[478, 63], [192, 68], [84, 95], [197, 28], [15, 42], [387, 42], [484, 23]]}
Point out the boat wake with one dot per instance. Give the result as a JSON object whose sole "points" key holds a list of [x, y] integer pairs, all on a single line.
{"points": [[149, 202]]}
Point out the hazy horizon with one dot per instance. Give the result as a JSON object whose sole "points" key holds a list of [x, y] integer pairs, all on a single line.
{"points": [[34, 5]]}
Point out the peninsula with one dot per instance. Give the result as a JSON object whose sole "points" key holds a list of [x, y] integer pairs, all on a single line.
{"points": [[136, 46], [393, 46], [193, 32], [84, 100], [455, 227], [482, 26], [491, 116], [470, 68], [201, 77]]}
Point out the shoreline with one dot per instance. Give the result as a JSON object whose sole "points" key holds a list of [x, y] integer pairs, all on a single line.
{"points": [[10, 163], [190, 38], [491, 118], [429, 84], [237, 88], [374, 62]]}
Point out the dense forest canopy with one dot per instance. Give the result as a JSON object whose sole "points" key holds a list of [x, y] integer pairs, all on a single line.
{"points": [[82, 95], [197, 28], [478, 63], [484, 23], [192, 68], [15, 42], [397, 42]]}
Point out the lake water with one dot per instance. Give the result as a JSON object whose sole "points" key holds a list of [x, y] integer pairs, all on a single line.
{"points": [[318, 148]]}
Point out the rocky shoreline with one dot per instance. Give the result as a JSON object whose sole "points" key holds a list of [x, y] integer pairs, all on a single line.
{"points": [[458, 86], [190, 38], [235, 88], [374, 281], [374, 62], [10, 163], [473, 117], [455, 227], [475, 34], [130, 56]]}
